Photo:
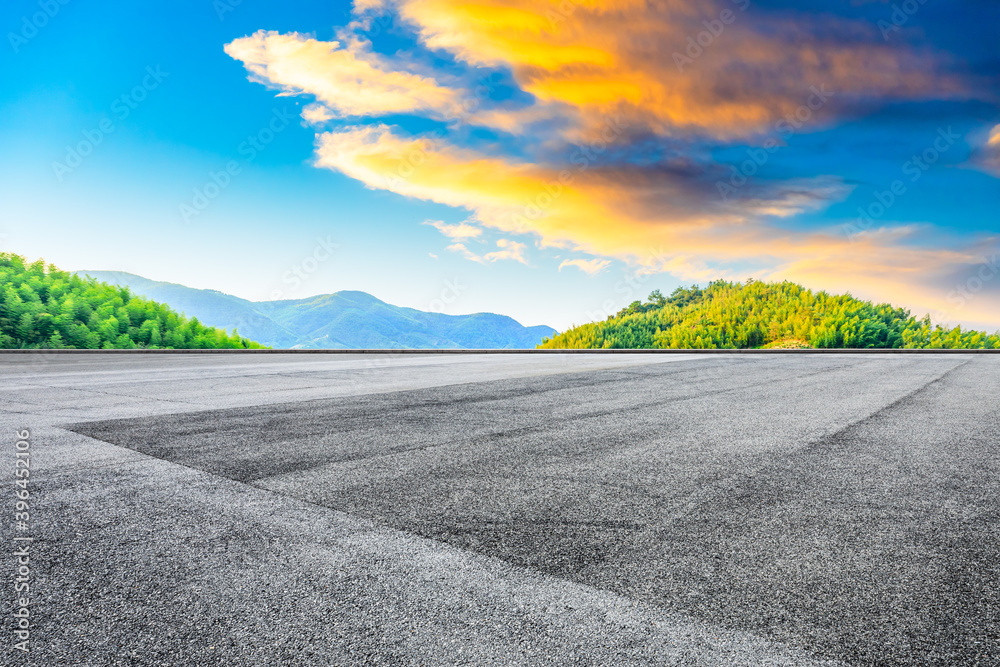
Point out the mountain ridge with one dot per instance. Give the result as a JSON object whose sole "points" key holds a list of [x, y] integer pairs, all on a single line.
{"points": [[348, 319]]}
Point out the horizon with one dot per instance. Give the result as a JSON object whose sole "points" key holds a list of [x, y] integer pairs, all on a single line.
{"points": [[552, 171], [88, 272]]}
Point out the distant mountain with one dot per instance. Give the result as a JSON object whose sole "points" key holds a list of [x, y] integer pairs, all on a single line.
{"points": [[343, 320]]}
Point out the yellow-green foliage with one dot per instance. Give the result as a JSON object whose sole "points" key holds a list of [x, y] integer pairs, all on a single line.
{"points": [[731, 315], [43, 307]]}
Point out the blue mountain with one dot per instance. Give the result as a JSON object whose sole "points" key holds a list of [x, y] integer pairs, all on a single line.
{"points": [[343, 320]]}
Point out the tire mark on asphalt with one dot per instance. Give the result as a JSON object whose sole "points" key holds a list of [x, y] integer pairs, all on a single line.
{"points": [[547, 421]]}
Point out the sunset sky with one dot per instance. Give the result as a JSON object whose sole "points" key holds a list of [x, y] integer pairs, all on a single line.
{"points": [[551, 161]]}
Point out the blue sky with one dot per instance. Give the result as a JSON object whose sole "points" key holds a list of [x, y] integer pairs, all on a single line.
{"points": [[652, 145]]}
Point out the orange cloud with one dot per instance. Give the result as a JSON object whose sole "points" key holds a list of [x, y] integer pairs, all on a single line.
{"points": [[673, 66], [576, 206], [987, 156], [656, 221], [606, 71]]}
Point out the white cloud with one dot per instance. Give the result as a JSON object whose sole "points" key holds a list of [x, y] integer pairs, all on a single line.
{"points": [[316, 114], [346, 77], [508, 250], [591, 266], [462, 230], [465, 252]]}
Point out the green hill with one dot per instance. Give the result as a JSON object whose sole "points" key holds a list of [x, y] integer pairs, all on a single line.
{"points": [[43, 307], [772, 315]]}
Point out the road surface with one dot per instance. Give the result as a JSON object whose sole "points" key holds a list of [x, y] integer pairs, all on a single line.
{"points": [[516, 509]]}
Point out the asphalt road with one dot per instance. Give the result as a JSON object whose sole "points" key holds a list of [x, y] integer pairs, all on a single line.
{"points": [[598, 509]]}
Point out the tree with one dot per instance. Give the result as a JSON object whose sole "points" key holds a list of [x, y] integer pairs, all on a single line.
{"points": [[41, 306], [750, 315], [25, 331], [56, 341]]}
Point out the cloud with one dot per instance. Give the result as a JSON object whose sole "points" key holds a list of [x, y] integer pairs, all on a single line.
{"points": [[462, 230], [361, 6], [660, 219], [653, 88], [987, 156], [347, 78], [679, 66], [316, 114], [465, 252], [591, 266], [616, 211], [686, 66], [507, 249]]}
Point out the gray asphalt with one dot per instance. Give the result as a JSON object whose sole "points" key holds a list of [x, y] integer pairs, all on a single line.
{"points": [[598, 509]]}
